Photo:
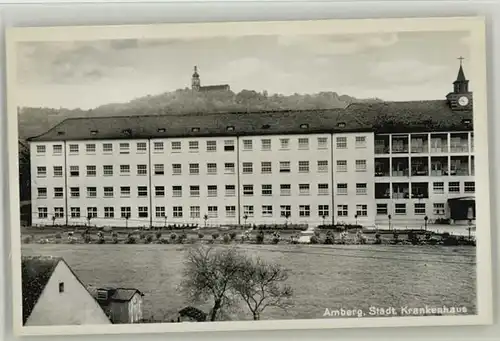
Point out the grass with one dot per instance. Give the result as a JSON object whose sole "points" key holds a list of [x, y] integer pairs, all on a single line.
{"points": [[338, 276]]}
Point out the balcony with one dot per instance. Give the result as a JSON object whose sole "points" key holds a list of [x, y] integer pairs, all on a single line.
{"points": [[382, 191], [459, 166], [382, 144], [439, 143], [400, 144], [382, 167], [419, 166], [439, 166], [419, 143], [400, 166], [400, 190], [420, 190], [459, 143]]}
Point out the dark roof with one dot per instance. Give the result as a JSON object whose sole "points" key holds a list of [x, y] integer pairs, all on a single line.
{"points": [[36, 272], [461, 75], [116, 294], [379, 117], [193, 313], [214, 87]]}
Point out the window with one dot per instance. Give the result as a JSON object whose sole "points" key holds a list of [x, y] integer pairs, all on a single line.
{"points": [[438, 187], [74, 192], [341, 142], [142, 211], [342, 210], [212, 190], [177, 211], [211, 146], [322, 166], [360, 141], [61, 287], [211, 168], [267, 190], [176, 147], [454, 187], [125, 191], [303, 166], [228, 145], [248, 210], [247, 189], [360, 165], [159, 191], [322, 189], [91, 212], [382, 209], [322, 142], [107, 170], [107, 148], [285, 211], [126, 212], [304, 189], [247, 168], [230, 190], [229, 168], [176, 169], [362, 210], [212, 211], [194, 168], [194, 191], [439, 209], [158, 147], [124, 169], [91, 170], [303, 143], [91, 192], [419, 208], [267, 210], [285, 189], [41, 171], [57, 149], [124, 148], [342, 189], [469, 187], [141, 147], [109, 212], [142, 169], [73, 149], [361, 188], [323, 210], [75, 212], [90, 148], [266, 167], [42, 192], [40, 149], [108, 192], [159, 169], [304, 211], [247, 145], [193, 146], [284, 166], [74, 171], [230, 211], [59, 212], [265, 144], [341, 165], [58, 171], [160, 211], [142, 191], [177, 191], [400, 209], [285, 143], [58, 192]]}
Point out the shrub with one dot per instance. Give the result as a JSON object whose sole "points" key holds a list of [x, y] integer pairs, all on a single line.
{"points": [[27, 240], [275, 240], [87, 239], [142, 235], [314, 240], [226, 239], [330, 238], [233, 235], [378, 240], [215, 236], [200, 235], [259, 239], [149, 238], [115, 240], [114, 235], [58, 236], [164, 241], [101, 241], [158, 235], [173, 237], [317, 234], [131, 240]]}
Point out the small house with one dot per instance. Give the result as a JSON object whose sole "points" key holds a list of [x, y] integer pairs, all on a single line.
{"points": [[53, 295], [121, 305], [191, 314]]}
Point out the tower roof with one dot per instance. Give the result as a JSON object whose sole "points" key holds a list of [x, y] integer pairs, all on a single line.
{"points": [[461, 75], [195, 74]]}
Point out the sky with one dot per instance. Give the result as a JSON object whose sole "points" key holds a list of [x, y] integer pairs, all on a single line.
{"points": [[391, 66]]}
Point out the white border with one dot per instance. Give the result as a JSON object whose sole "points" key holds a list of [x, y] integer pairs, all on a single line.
{"points": [[477, 71]]}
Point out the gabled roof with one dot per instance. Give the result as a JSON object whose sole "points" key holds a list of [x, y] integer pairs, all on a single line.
{"points": [[435, 115]]}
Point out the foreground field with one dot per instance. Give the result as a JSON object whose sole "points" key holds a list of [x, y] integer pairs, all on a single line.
{"points": [[334, 277]]}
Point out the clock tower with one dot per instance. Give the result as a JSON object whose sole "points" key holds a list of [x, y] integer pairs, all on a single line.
{"points": [[461, 97]]}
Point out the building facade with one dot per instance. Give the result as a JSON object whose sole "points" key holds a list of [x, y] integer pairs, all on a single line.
{"points": [[403, 163]]}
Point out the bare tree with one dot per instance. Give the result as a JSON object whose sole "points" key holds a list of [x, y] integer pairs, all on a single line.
{"points": [[261, 285], [209, 275]]}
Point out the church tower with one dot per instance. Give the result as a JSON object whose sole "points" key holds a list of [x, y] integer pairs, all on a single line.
{"points": [[461, 97], [195, 80]]}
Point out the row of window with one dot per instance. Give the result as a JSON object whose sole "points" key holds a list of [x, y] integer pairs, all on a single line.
{"points": [[194, 146], [418, 209]]}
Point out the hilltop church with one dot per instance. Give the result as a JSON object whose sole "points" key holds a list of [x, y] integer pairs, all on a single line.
{"points": [[196, 85]]}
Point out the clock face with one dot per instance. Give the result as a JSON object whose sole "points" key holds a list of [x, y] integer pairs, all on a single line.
{"points": [[463, 101]]}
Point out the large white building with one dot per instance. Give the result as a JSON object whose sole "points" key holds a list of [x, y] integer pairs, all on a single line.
{"points": [[370, 163]]}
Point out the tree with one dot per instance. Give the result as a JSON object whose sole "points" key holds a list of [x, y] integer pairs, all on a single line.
{"points": [[209, 275], [261, 285]]}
